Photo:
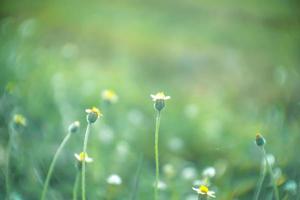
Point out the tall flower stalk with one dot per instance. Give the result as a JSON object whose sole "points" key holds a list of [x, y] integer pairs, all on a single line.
{"points": [[82, 157], [261, 180], [76, 183], [18, 123], [92, 115], [159, 103], [157, 123], [260, 142], [72, 129]]}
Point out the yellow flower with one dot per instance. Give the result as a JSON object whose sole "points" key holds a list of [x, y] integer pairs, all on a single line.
{"points": [[83, 157], [109, 96], [159, 96], [19, 120], [203, 190], [93, 114]]}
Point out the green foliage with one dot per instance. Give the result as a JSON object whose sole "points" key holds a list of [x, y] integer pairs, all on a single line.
{"points": [[232, 69]]}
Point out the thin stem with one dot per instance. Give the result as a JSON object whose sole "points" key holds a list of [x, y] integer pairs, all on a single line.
{"points": [[271, 174], [261, 180], [86, 137], [202, 197], [7, 174], [137, 177], [75, 188], [53, 164], [156, 154]]}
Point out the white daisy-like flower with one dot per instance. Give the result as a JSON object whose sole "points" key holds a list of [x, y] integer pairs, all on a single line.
{"points": [[203, 190], [209, 172], [83, 157], [161, 185], [159, 96], [114, 179]]}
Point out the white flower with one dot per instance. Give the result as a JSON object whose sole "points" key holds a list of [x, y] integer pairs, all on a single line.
{"points": [[114, 179], [169, 170], [161, 185], [159, 96], [189, 173], [203, 190], [270, 159], [209, 172], [83, 157]]}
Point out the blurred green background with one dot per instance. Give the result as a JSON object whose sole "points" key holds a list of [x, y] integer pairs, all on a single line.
{"points": [[231, 67]]}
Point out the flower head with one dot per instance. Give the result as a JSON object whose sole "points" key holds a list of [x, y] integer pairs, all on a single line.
{"points": [[19, 120], [109, 96], [203, 190], [209, 172], [159, 100], [93, 114], [73, 128], [159, 96], [83, 157], [260, 140], [114, 179]]}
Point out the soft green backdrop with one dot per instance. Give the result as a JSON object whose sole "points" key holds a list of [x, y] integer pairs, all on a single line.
{"points": [[231, 67]]}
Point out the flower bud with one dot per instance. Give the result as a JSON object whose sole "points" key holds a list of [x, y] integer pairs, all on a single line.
{"points": [[159, 100], [93, 114], [74, 127], [19, 121], [260, 140]]}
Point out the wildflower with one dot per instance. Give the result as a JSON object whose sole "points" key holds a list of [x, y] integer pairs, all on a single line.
{"points": [[73, 128], [93, 114], [169, 170], [83, 157], [189, 173], [270, 159], [159, 99], [260, 140], [203, 190], [209, 172], [109, 96], [114, 179], [291, 187], [161, 185], [19, 120]]}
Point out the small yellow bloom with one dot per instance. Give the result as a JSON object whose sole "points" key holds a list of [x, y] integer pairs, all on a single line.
{"points": [[19, 120], [83, 157], [159, 96], [94, 110], [109, 96], [93, 114], [203, 190]]}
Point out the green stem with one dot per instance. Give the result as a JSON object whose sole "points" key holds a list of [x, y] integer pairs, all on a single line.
{"points": [[261, 180], [202, 197], [75, 188], [86, 137], [7, 174], [53, 164], [271, 174], [156, 155]]}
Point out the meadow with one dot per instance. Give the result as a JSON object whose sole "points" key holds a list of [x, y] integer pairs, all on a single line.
{"points": [[171, 100]]}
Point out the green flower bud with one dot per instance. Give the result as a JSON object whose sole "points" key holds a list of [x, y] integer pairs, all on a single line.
{"points": [[159, 104], [159, 100], [74, 127], [93, 114], [260, 140]]}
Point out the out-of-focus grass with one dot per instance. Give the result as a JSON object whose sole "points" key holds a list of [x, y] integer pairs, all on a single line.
{"points": [[231, 68]]}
